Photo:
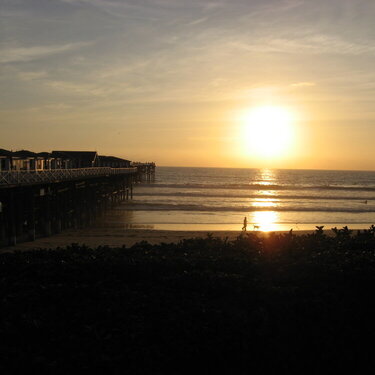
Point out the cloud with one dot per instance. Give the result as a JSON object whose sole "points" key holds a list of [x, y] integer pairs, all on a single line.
{"points": [[31, 76], [310, 44], [198, 21], [77, 88], [302, 84], [119, 9], [24, 54]]}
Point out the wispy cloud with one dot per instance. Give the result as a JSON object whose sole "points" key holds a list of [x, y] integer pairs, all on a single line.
{"points": [[302, 84], [118, 9], [24, 54], [313, 44], [77, 88], [198, 21], [31, 76]]}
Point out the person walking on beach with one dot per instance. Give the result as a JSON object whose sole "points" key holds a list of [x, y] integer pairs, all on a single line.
{"points": [[244, 224]]}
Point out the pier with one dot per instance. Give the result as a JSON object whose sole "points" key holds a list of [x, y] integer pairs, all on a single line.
{"points": [[38, 203], [146, 171]]}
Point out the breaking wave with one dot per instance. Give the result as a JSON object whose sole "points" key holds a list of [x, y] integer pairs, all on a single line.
{"points": [[210, 194], [206, 208], [263, 187]]}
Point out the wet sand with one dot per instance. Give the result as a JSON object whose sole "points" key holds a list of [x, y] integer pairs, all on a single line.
{"points": [[114, 230]]}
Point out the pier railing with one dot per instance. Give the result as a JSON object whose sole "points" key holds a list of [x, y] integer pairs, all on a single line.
{"points": [[56, 175]]}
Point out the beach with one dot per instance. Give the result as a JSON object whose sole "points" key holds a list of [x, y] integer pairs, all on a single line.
{"points": [[93, 237], [96, 236], [112, 230]]}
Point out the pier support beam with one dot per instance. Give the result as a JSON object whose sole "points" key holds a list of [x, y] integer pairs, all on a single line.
{"points": [[34, 210], [47, 225], [31, 216], [2, 222], [12, 236]]}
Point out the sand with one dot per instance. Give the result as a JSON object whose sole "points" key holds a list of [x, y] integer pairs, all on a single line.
{"points": [[113, 231], [117, 237]]}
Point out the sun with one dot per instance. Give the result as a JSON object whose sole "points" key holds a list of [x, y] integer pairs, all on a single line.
{"points": [[268, 131]]}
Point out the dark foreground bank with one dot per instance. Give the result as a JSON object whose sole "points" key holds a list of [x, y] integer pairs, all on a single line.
{"points": [[282, 303]]}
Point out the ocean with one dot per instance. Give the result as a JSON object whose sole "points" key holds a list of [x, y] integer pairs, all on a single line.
{"points": [[271, 199]]}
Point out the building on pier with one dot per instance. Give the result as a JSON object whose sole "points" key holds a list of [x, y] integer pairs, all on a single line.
{"points": [[22, 160], [49, 162], [25, 160], [5, 160], [78, 159], [113, 162]]}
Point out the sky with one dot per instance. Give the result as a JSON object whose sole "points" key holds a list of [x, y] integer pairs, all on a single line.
{"points": [[169, 80]]}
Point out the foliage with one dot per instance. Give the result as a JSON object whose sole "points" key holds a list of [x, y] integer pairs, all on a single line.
{"points": [[277, 303]]}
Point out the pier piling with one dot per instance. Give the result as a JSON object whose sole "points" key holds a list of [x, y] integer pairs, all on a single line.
{"points": [[37, 207]]}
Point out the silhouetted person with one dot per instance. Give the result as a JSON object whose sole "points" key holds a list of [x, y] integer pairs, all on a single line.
{"points": [[244, 224]]}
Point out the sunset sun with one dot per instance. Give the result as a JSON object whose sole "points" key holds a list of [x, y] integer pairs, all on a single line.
{"points": [[268, 131]]}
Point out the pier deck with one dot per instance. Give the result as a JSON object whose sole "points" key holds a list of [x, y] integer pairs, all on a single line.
{"points": [[17, 178]]}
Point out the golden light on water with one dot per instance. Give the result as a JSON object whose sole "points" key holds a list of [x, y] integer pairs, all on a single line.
{"points": [[264, 202], [265, 220], [267, 132]]}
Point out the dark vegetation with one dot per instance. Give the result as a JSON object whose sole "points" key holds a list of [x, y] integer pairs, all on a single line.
{"points": [[282, 304]]}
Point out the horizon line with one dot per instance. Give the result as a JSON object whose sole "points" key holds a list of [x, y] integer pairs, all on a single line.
{"points": [[286, 169]]}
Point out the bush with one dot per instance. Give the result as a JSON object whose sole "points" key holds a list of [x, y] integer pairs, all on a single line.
{"points": [[281, 303]]}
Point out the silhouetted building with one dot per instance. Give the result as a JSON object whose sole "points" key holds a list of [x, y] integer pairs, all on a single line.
{"points": [[25, 160], [113, 162], [5, 160], [77, 159]]}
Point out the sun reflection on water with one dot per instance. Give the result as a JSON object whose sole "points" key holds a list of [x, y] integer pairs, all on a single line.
{"points": [[264, 220], [267, 192], [266, 176], [264, 202]]}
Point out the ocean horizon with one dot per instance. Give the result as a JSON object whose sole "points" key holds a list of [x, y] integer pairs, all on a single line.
{"points": [[260, 168]]}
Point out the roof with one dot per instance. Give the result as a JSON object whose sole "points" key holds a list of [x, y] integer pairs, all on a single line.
{"points": [[77, 155], [24, 154], [5, 152], [112, 159], [44, 154]]}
